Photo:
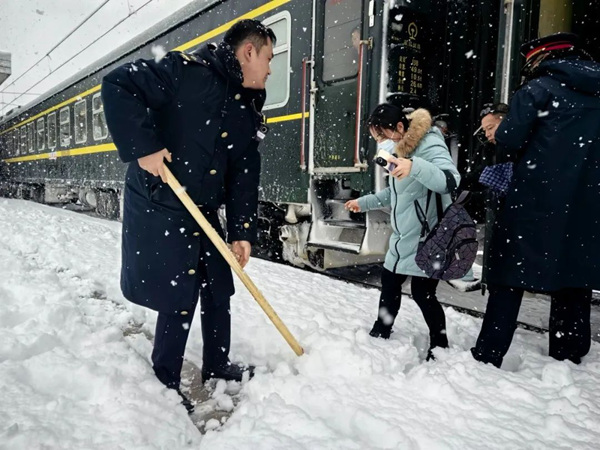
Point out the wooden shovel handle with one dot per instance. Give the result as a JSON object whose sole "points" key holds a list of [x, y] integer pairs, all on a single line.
{"points": [[231, 260]]}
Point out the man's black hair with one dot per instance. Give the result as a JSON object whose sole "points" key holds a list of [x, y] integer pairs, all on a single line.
{"points": [[249, 30], [497, 109]]}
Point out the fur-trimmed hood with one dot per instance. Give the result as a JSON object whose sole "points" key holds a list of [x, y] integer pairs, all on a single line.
{"points": [[420, 124]]}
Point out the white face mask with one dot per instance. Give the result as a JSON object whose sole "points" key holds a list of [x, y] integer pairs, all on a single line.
{"points": [[388, 145]]}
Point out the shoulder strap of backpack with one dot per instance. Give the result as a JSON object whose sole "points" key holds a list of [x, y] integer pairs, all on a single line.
{"points": [[463, 197], [451, 183], [422, 216], [452, 189], [440, 208]]}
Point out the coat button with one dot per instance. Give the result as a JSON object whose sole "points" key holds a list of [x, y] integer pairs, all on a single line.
{"points": [[196, 234], [184, 313], [237, 96], [224, 134], [246, 225], [191, 271], [213, 172]]}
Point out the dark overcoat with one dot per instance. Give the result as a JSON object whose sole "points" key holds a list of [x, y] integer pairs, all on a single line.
{"points": [[547, 235], [195, 106]]}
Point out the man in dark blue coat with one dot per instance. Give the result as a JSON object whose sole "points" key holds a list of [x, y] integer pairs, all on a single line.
{"points": [[201, 113], [547, 236]]}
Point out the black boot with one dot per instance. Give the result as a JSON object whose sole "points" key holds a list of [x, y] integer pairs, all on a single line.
{"points": [[438, 340], [185, 401], [430, 355], [231, 372], [380, 330]]}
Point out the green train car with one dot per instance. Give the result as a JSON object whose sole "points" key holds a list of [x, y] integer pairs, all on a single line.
{"points": [[335, 60]]}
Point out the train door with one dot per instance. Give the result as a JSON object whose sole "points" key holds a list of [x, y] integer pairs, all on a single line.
{"points": [[340, 93]]}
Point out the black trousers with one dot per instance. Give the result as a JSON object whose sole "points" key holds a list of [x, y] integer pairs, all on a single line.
{"points": [[423, 293], [172, 332], [569, 325]]}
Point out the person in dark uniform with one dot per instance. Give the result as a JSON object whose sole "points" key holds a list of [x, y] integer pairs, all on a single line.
{"points": [[491, 115], [485, 203], [546, 237], [200, 112]]}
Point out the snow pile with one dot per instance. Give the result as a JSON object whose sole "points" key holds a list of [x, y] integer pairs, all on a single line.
{"points": [[73, 376]]}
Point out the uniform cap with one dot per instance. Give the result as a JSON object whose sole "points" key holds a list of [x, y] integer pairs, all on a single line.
{"points": [[557, 41]]}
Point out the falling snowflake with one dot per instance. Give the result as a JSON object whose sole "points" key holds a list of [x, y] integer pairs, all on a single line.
{"points": [[159, 52]]}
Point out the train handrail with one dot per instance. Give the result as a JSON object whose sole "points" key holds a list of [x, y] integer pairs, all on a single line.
{"points": [[359, 91], [305, 62]]}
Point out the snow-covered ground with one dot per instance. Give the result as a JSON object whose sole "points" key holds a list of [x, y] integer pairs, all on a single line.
{"points": [[72, 375]]}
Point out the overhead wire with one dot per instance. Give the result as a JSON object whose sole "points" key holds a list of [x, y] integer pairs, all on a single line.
{"points": [[20, 93], [56, 46], [83, 49]]}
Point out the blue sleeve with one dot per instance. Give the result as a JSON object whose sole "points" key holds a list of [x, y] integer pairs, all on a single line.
{"points": [[378, 200], [128, 92], [428, 169]]}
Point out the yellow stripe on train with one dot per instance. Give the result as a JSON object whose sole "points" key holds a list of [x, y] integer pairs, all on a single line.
{"points": [[111, 147]]}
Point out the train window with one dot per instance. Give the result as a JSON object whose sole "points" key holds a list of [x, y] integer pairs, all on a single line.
{"points": [[6, 140], [15, 139], [31, 136], [340, 52], [23, 147], [278, 84], [80, 118], [41, 144], [14, 143], [52, 131], [98, 120], [64, 118]]}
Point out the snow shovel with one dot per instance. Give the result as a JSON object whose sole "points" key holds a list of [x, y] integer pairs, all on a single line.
{"points": [[235, 265]]}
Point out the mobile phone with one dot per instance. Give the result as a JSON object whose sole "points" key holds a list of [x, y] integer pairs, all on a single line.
{"points": [[383, 159]]}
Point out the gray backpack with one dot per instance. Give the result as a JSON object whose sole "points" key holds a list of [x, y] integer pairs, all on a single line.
{"points": [[448, 251]]}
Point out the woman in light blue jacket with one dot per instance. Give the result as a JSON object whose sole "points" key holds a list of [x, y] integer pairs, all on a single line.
{"points": [[423, 163]]}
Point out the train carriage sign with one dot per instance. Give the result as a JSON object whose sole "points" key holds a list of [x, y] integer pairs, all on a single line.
{"points": [[408, 52]]}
